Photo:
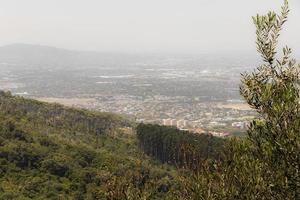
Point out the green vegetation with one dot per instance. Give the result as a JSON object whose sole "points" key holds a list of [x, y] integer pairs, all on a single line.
{"points": [[266, 163], [177, 147], [48, 151], [56, 117]]}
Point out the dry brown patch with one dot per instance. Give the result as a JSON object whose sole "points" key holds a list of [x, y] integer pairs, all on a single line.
{"points": [[235, 106], [68, 101]]}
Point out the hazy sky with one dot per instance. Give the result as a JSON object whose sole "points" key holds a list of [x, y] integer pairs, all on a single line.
{"points": [[141, 25]]}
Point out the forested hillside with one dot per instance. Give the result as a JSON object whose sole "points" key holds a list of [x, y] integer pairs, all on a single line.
{"points": [[48, 151], [55, 117]]}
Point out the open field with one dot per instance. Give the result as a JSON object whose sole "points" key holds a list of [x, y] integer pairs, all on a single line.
{"points": [[236, 106], [68, 101]]}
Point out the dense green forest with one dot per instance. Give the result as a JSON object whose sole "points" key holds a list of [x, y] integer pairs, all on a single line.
{"points": [[180, 148], [48, 151]]}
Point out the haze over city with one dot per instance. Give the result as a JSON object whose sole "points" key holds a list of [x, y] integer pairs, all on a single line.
{"points": [[154, 61]]}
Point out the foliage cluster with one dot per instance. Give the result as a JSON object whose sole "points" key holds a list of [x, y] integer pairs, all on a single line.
{"points": [[180, 148], [42, 156]]}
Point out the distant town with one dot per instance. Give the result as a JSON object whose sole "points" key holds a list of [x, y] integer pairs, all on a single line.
{"points": [[195, 93]]}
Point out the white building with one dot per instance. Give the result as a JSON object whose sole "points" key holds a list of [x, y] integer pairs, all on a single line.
{"points": [[167, 122], [181, 123]]}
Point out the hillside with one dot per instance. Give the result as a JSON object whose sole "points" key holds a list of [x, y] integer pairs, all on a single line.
{"points": [[48, 151]]}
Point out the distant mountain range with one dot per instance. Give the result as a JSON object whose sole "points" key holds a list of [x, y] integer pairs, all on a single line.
{"points": [[27, 56], [44, 57]]}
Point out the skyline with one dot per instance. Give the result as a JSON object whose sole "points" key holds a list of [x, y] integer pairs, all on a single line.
{"points": [[141, 26]]}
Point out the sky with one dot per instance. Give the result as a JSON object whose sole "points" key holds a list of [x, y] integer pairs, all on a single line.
{"points": [[180, 26]]}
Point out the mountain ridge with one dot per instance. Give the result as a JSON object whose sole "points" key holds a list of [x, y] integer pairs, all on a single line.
{"points": [[18, 55]]}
